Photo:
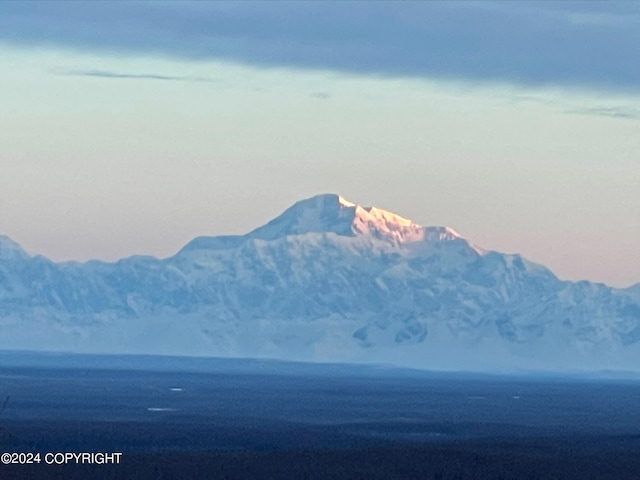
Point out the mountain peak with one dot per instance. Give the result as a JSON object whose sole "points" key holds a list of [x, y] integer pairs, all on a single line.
{"points": [[10, 249], [326, 200], [332, 213], [323, 213], [339, 198]]}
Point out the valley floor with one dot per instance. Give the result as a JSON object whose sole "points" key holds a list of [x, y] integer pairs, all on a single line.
{"points": [[243, 419]]}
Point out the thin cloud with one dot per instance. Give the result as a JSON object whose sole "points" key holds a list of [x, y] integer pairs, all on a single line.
{"points": [[620, 112], [608, 20], [321, 95], [135, 76], [626, 112], [584, 44]]}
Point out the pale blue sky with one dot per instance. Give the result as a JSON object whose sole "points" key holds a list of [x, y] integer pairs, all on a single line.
{"points": [[133, 127]]}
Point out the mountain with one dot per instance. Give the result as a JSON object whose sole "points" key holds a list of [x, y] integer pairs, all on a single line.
{"points": [[326, 280]]}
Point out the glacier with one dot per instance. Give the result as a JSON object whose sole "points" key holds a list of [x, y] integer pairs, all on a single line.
{"points": [[327, 280]]}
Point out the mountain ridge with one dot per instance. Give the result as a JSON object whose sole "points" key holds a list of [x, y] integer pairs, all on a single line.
{"points": [[325, 280]]}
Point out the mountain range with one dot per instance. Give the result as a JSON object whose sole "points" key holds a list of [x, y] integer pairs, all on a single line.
{"points": [[327, 280]]}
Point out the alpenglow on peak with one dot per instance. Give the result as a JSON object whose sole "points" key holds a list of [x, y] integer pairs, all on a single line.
{"points": [[332, 213]]}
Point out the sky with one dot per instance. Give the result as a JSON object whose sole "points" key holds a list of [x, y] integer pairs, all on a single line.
{"points": [[132, 127]]}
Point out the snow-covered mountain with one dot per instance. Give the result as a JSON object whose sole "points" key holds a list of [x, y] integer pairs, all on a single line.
{"points": [[326, 280]]}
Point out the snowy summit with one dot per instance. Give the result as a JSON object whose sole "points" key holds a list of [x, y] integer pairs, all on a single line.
{"points": [[331, 213]]}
